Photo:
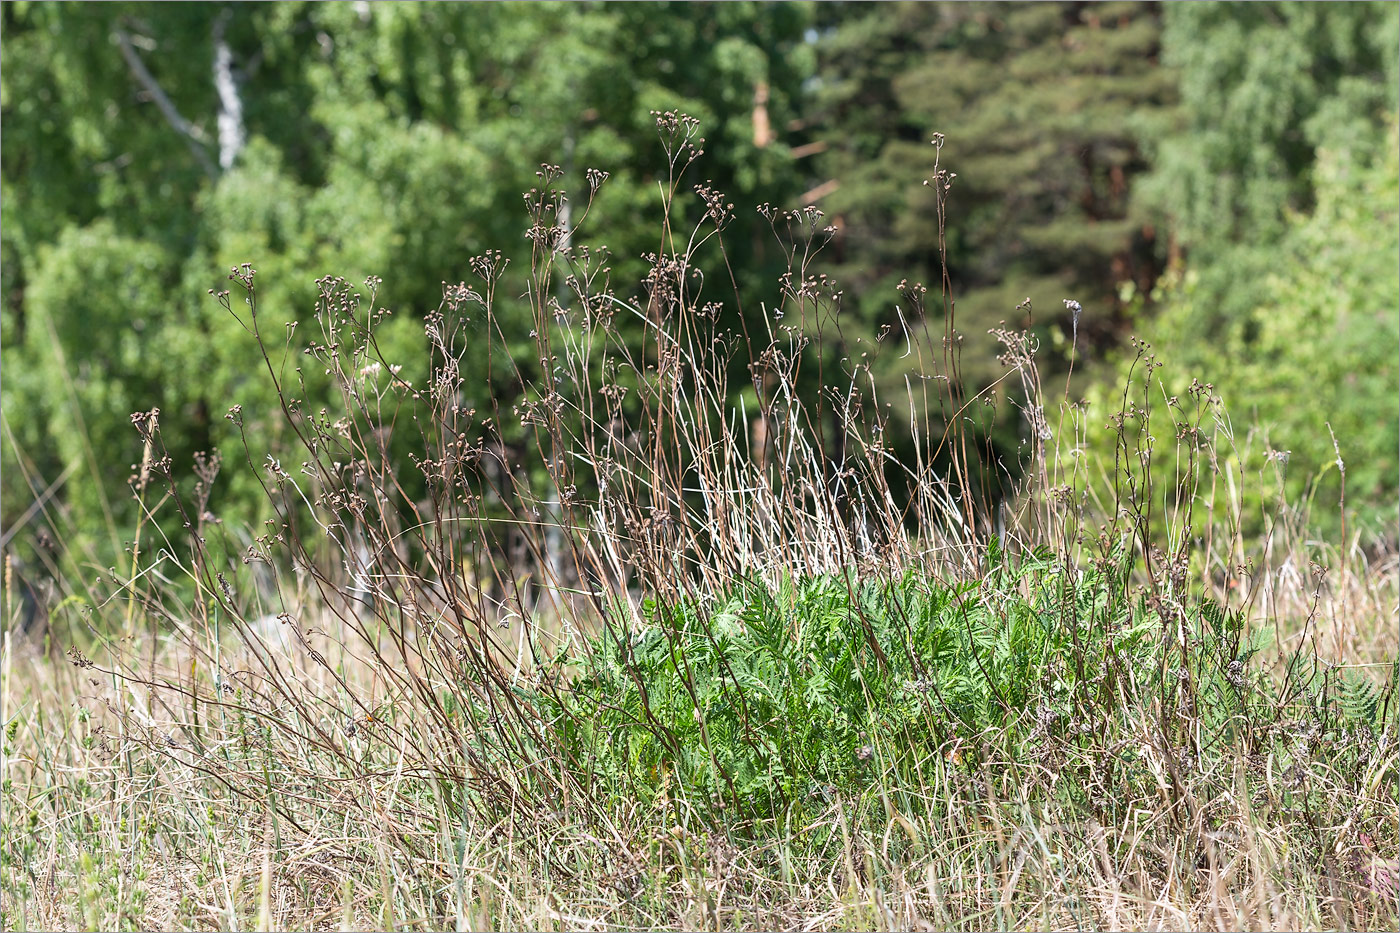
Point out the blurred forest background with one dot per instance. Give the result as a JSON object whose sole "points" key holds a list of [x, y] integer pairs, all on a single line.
{"points": [[1220, 179]]}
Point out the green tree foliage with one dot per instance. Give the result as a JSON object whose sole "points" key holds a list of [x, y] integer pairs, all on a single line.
{"points": [[381, 139], [1280, 184], [1313, 357], [1043, 106], [396, 140], [1320, 349], [1264, 87]]}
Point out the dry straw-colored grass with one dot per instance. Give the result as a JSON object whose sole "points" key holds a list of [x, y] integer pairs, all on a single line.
{"points": [[109, 825]]}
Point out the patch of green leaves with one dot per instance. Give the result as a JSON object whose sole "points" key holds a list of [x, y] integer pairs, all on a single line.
{"points": [[760, 699]]}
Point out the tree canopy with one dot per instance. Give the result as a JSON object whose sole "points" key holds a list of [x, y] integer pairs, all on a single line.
{"points": [[148, 149]]}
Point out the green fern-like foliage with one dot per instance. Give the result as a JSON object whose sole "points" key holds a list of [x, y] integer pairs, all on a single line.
{"points": [[767, 698], [1359, 698], [762, 703]]}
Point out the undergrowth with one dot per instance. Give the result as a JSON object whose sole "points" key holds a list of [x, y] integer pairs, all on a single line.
{"points": [[679, 642]]}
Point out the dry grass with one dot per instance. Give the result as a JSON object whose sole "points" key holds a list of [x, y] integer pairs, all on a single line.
{"points": [[109, 825]]}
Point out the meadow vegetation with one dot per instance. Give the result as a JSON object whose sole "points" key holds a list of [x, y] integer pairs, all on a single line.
{"points": [[712, 657], [803, 527]]}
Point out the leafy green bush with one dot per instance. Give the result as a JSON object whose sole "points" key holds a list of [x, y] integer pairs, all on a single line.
{"points": [[767, 697], [764, 700]]}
